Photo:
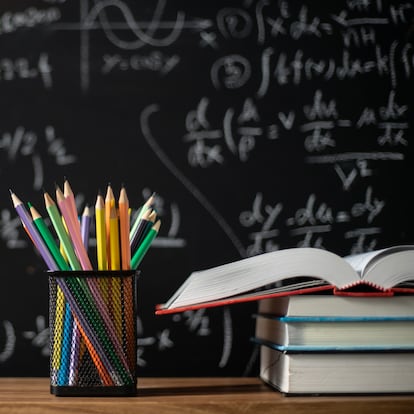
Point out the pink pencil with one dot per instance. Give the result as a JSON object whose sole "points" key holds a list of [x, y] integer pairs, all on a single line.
{"points": [[73, 229]]}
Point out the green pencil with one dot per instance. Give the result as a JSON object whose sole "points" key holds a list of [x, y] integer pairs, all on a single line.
{"points": [[140, 213], [145, 245], [48, 238]]}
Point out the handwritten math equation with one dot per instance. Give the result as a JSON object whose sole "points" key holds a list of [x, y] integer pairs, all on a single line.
{"points": [[38, 147], [307, 224], [239, 133]]}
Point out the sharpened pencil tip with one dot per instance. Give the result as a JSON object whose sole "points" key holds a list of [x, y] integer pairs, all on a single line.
{"points": [[157, 226]]}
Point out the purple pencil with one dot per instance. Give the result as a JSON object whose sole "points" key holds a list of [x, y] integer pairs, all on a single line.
{"points": [[85, 225], [32, 231]]}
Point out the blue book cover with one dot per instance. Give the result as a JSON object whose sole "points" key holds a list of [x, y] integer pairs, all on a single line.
{"points": [[333, 348], [344, 333], [305, 319]]}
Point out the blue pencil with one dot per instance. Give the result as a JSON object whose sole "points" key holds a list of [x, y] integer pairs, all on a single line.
{"points": [[63, 376]]}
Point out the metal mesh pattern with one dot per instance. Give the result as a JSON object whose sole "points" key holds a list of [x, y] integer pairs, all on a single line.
{"points": [[92, 329]]}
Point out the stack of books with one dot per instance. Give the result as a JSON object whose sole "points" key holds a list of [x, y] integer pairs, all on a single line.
{"points": [[327, 344], [326, 324]]}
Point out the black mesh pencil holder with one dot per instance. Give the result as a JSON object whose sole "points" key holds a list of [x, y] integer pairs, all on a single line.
{"points": [[92, 325]]}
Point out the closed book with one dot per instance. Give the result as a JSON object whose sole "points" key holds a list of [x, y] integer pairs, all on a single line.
{"points": [[351, 333], [341, 306], [337, 373]]}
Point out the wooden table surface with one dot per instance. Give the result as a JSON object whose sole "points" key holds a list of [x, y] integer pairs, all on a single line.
{"points": [[191, 395]]}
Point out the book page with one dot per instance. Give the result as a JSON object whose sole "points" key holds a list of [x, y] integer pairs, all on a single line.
{"points": [[259, 271], [363, 261]]}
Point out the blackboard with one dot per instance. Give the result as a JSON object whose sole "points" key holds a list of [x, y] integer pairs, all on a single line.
{"points": [[260, 125]]}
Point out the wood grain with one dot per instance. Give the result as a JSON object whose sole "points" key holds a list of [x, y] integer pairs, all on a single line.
{"points": [[191, 395]]}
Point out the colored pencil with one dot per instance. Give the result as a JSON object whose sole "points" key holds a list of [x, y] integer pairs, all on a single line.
{"points": [[40, 244], [145, 245], [70, 197], [75, 347], [98, 354], [58, 330], [124, 224], [115, 265], [142, 210], [100, 233], [61, 358], [114, 239], [100, 230], [93, 291], [63, 376], [92, 313], [128, 323], [59, 227], [85, 226], [73, 228], [34, 234], [49, 239], [143, 225], [64, 362], [109, 202]]}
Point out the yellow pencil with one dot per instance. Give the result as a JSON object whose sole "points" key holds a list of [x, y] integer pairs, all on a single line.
{"points": [[58, 331], [101, 249]]}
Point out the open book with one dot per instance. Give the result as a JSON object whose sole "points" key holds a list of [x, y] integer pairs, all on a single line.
{"points": [[296, 271]]}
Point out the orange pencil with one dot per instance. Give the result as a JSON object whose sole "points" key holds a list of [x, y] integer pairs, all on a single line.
{"points": [[126, 283], [123, 205], [114, 238], [103, 372], [116, 289]]}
